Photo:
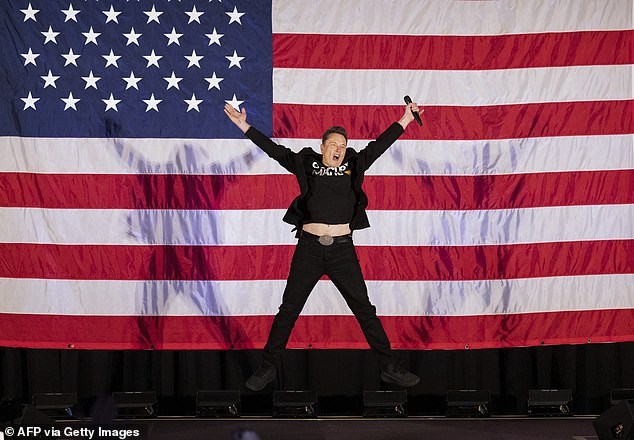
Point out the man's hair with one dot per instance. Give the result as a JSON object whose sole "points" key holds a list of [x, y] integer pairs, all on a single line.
{"points": [[337, 129]]}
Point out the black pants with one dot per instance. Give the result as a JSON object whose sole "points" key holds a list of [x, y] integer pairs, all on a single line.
{"points": [[340, 262]]}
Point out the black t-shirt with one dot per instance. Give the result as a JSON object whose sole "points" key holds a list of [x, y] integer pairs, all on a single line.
{"points": [[331, 198]]}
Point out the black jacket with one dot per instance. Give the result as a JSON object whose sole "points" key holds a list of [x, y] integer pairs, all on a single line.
{"points": [[359, 163]]}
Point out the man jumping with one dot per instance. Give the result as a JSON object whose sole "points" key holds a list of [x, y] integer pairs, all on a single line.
{"points": [[330, 206]]}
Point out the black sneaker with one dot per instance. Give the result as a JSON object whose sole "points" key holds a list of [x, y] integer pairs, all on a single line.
{"points": [[394, 373], [262, 377]]}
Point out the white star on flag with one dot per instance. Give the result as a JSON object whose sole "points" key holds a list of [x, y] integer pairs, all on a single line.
{"points": [[172, 81], [234, 102], [111, 59], [194, 15], [214, 38], [152, 59], [112, 15], [234, 60], [71, 14], [50, 35], [214, 81], [70, 102], [194, 59], [71, 58], [132, 37], [91, 36], [49, 80], [152, 103], [29, 58], [192, 104], [235, 15], [29, 14], [29, 101], [132, 81], [152, 15], [91, 80], [173, 37], [111, 103]]}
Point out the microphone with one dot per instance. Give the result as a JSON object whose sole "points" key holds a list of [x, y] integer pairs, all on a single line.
{"points": [[408, 101]]}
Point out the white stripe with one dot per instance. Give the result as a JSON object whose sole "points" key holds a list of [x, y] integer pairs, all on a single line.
{"points": [[240, 156], [507, 156], [452, 87], [504, 226], [443, 17], [391, 298], [263, 227], [134, 156]]}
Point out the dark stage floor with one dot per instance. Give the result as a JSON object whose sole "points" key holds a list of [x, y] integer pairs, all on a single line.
{"points": [[356, 428]]}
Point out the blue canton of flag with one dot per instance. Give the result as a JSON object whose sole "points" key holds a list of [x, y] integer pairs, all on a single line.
{"points": [[148, 68]]}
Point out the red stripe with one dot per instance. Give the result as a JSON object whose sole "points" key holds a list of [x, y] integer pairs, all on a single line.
{"points": [[505, 191], [127, 191], [452, 52], [460, 122], [147, 191], [321, 332], [95, 262]]}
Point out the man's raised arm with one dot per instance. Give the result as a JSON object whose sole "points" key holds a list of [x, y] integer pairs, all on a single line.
{"points": [[377, 147], [284, 156]]}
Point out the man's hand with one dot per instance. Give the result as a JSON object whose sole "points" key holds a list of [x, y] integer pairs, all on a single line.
{"points": [[408, 116], [238, 118]]}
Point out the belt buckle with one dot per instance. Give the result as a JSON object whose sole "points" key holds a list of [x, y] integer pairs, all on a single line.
{"points": [[326, 240]]}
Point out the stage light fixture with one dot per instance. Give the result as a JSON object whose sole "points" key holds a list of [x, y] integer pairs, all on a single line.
{"points": [[619, 394], [617, 423], [218, 403], [295, 404], [385, 403], [468, 403], [135, 404], [56, 405], [550, 403]]}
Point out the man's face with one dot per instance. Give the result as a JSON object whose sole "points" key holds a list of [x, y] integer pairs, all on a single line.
{"points": [[333, 150]]}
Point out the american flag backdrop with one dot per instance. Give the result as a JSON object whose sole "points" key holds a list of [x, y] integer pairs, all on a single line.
{"points": [[134, 215]]}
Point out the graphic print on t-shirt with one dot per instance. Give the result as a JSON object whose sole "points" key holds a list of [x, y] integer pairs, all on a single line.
{"points": [[322, 170]]}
